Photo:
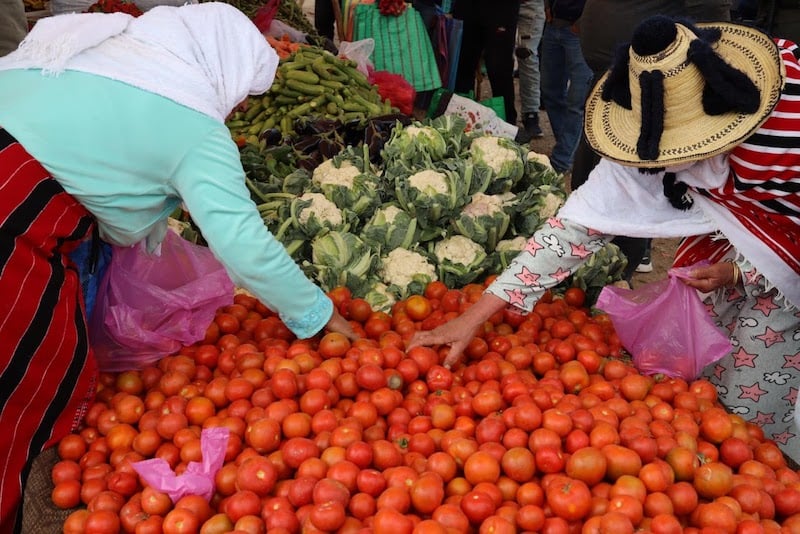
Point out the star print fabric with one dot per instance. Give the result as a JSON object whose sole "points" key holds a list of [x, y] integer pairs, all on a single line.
{"points": [[550, 256], [759, 380]]}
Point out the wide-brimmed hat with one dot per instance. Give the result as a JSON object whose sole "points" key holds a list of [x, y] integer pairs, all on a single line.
{"points": [[681, 92]]}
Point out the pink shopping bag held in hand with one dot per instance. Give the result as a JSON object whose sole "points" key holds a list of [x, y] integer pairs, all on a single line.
{"points": [[665, 326], [149, 306]]}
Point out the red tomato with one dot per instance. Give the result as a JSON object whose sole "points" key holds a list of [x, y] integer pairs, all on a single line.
{"points": [[418, 307], [568, 498]]}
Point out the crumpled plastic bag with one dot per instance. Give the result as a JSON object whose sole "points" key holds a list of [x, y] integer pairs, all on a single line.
{"points": [[481, 119], [198, 479], [278, 29], [360, 52], [665, 326], [149, 306]]}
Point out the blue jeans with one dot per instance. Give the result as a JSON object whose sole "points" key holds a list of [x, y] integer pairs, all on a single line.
{"points": [[529, 30], [566, 79]]}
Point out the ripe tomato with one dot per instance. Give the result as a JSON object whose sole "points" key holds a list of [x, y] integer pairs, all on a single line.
{"points": [[327, 516], [477, 506], [568, 498], [481, 466], [575, 297], [66, 494], [333, 345], [439, 378], [180, 521], [103, 521], [518, 464], [713, 479], [435, 290], [427, 492], [257, 474], [418, 307], [587, 464], [359, 310]]}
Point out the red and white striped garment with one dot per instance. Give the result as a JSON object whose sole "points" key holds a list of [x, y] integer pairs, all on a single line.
{"points": [[762, 192], [47, 371]]}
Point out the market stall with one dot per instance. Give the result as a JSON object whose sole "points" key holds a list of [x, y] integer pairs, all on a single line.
{"points": [[547, 425]]}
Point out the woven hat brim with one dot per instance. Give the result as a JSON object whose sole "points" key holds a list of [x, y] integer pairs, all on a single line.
{"points": [[613, 131]]}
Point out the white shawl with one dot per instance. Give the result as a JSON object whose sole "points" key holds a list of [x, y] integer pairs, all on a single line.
{"points": [[207, 56], [619, 200]]}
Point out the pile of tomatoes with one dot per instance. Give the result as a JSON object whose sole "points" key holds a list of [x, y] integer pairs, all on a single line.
{"points": [[542, 428]]}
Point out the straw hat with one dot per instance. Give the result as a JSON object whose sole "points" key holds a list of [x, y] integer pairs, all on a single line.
{"points": [[683, 92]]}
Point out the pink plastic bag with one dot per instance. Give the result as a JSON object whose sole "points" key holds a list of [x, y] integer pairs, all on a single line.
{"points": [[198, 478], [665, 326], [149, 306]]}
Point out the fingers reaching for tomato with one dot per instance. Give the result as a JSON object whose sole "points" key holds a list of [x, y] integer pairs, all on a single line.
{"points": [[339, 324]]}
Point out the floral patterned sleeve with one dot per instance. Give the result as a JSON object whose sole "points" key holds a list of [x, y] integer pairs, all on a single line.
{"points": [[551, 255]]}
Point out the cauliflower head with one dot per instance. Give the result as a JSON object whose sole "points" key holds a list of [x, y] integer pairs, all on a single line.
{"points": [[503, 157], [325, 210], [406, 271], [458, 249], [327, 173], [430, 182]]}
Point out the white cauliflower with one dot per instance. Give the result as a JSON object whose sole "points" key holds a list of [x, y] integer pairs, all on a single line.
{"points": [[324, 209], [458, 249], [539, 158], [401, 266], [550, 205], [390, 213], [327, 173], [380, 298], [515, 244], [483, 204], [492, 153], [429, 179], [414, 131]]}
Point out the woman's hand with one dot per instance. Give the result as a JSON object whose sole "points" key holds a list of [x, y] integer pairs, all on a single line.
{"points": [[459, 332], [713, 277], [339, 324]]}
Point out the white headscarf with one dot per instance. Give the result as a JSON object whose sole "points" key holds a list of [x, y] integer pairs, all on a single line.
{"points": [[207, 56]]}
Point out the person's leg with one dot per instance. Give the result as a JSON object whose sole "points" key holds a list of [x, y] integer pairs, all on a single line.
{"points": [[13, 25], [554, 87], [471, 46], [427, 11], [579, 79], [529, 30], [583, 162], [499, 56], [324, 18], [645, 263], [634, 250]]}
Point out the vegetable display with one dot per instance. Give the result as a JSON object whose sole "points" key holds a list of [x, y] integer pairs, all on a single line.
{"points": [[543, 428], [310, 83], [446, 197]]}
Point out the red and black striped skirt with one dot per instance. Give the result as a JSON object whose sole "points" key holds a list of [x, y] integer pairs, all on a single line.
{"points": [[47, 370]]}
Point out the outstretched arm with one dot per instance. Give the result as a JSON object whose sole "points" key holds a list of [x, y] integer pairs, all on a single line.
{"points": [[553, 253]]}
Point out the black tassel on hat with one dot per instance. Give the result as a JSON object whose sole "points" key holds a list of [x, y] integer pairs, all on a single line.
{"points": [[727, 89], [651, 37], [616, 86]]}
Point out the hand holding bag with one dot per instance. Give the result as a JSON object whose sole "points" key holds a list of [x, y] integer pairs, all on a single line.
{"points": [[665, 326]]}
